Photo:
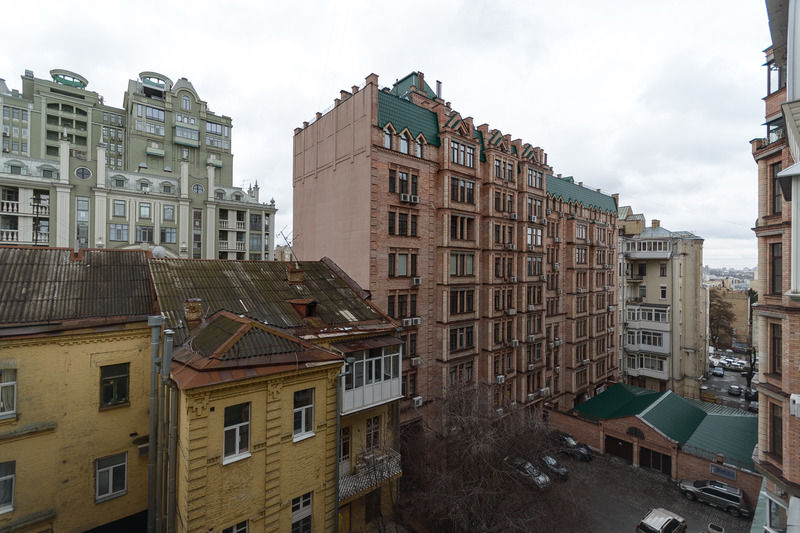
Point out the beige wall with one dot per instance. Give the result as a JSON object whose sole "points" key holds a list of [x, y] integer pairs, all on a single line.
{"points": [[58, 380]]}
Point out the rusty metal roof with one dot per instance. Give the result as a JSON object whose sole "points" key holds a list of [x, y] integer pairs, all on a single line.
{"points": [[228, 348], [259, 290], [48, 285]]}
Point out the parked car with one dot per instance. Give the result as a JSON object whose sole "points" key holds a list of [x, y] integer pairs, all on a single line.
{"points": [[573, 448], [751, 395], [718, 372], [528, 472], [753, 407], [735, 390], [717, 494], [660, 520], [550, 463]]}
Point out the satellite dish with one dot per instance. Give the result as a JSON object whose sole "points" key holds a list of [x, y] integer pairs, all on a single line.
{"points": [[159, 252]]}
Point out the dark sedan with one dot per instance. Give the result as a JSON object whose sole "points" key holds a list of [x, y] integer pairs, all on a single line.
{"points": [[554, 467]]}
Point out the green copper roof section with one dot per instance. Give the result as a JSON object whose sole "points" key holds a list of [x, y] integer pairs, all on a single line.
{"points": [[403, 86], [618, 401], [453, 121], [673, 416], [478, 135], [734, 436], [570, 192], [404, 114]]}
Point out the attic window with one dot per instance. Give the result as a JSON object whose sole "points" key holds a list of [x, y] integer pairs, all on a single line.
{"points": [[404, 144], [419, 147], [387, 139]]}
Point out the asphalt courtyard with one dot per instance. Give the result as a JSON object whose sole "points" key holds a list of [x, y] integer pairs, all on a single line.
{"points": [[613, 496]]}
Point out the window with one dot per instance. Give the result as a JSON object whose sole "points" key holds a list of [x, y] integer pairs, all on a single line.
{"points": [[418, 147], [110, 476], [166, 188], [197, 188], [241, 527], [373, 435], [776, 268], [154, 114], [776, 339], [387, 139], [237, 433], [144, 233], [8, 393], [404, 144], [83, 173], [580, 256], [662, 270], [169, 213], [462, 190], [7, 477], [461, 264], [403, 182], [144, 210], [462, 154], [663, 292], [392, 180], [170, 236], [118, 232], [580, 231], [301, 514], [186, 105], [777, 200], [303, 413], [461, 338], [82, 220], [114, 385], [776, 429], [462, 301], [119, 208], [372, 506]]}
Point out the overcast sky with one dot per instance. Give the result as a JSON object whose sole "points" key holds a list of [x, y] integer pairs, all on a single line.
{"points": [[654, 100]]}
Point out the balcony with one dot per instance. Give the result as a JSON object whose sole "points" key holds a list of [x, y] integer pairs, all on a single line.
{"points": [[648, 372], [372, 469], [649, 325], [648, 348], [9, 236], [635, 278], [238, 246], [648, 249]]}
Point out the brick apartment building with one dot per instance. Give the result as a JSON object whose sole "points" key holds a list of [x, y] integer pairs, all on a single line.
{"points": [[501, 274], [777, 314]]}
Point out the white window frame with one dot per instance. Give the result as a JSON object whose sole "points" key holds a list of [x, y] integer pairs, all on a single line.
{"points": [[238, 453], [118, 203], [110, 470], [7, 507], [240, 527], [4, 412], [306, 412], [302, 507]]}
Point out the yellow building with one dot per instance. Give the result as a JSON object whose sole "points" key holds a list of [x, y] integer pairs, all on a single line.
{"points": [[287, 382], [74, 361]]}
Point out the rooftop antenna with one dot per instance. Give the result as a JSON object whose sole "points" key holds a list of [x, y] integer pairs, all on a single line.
{"points": [[289, 245]]}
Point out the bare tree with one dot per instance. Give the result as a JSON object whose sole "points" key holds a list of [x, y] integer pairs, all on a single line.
{"points": [[720, 319], [456, 479]]}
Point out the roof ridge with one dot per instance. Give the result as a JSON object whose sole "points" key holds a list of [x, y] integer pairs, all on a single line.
{"points": [[652, 405]]}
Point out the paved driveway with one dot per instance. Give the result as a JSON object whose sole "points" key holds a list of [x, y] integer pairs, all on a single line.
{"points": [[613, 497]]}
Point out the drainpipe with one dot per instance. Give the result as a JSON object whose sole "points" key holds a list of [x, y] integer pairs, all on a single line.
{"points": [[162, 409], [155, 323], [172, 456], [338, 444], [672, 317]]}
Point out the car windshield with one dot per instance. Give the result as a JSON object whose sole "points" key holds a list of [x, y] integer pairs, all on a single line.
{"points": [[549, 460]]}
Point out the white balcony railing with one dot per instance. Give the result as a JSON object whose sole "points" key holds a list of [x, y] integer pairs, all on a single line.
{"points": [[8, 206], [9, 235]]}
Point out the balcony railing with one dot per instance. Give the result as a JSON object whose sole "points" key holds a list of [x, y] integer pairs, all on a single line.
{"points": [[224, 224], [8, 206], [9, 235], [649, 348], [372, 469]]}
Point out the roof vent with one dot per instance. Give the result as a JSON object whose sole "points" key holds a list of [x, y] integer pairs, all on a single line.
{"points": [[294, 274], [192, 311]]}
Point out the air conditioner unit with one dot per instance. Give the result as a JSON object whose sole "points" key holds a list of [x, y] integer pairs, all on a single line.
{"points": [[794, 405], [514, 343], [556, 266], [588, 241], [531, 396], [513, 216], [544, 221], [417, 401], [499, 411], [530, 367], [549, 211], [408, 321], [551, 345], [534, 219], [607, 287], [416, 281], [500, 379], [416, 321], [511, 246], [559, 290], [531, 307], [557, 239], [610, 307], [416, 361], [530, 247], [613, 246], [405, 197], [560, 214], [543, 277], [580, 290], [557, 370], [531, 338], [611, 330], [511, 311], [414, 199], [558, 342], [585, 361], [512, 279], [544, 391]]}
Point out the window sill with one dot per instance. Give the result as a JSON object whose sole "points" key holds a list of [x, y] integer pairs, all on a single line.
{"points": [[7, 509], [114, 406], [111, 496], [235, 458], [13, 416], [302, 436]]}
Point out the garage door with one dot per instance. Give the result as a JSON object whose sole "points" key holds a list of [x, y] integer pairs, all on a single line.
{"points": [[620, 448], [657, 461]]}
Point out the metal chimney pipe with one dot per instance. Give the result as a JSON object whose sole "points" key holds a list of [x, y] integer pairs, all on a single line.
{"points": [[166, 359]]}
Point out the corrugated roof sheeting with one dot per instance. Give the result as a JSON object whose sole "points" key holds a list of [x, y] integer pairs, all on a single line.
{"points": [[251, 342], [257, 289], [734, 436], [571, 192], [46, 285], [618, 401], [674, 417]]}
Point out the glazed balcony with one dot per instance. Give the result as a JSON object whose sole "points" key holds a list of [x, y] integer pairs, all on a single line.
{"points": [[370, 380]]}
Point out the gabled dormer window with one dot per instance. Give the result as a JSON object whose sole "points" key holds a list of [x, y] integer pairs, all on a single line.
{"points": [[404, 144], [419, 147], [387, 138]]}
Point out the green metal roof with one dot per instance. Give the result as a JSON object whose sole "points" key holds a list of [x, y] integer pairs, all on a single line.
{"points": [[733, 436], [405, 114], [673, 416], [403, 86], [618, 401], [566, 188]]}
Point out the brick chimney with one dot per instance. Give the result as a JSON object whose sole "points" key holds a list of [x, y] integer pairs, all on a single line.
{"points": [[192, 311], [655, 223], [294, 274]]}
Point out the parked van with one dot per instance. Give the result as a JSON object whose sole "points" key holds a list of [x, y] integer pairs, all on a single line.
{"points": [[660, 520]]}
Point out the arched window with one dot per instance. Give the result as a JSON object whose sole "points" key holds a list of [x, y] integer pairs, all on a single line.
{"points": [[404, 144], [186, 104], [387, 138]]}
